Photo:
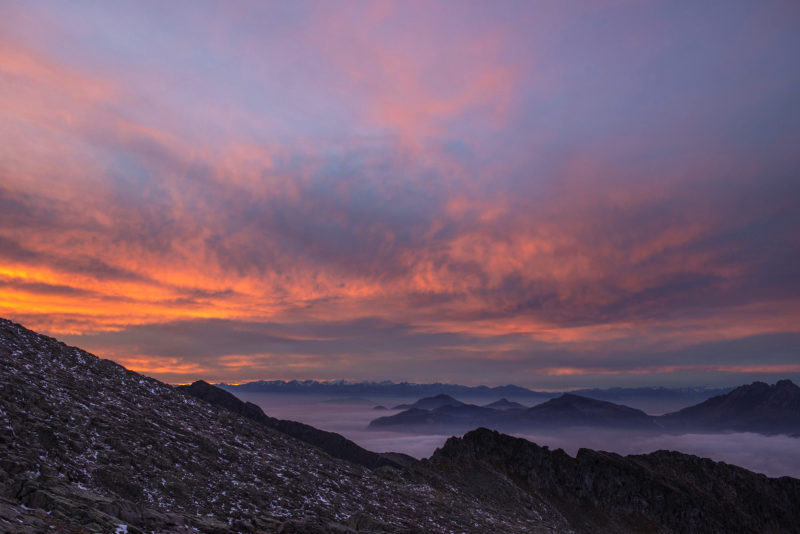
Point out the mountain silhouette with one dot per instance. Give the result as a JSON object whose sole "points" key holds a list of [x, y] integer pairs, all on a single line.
{"points": [[505, 404], [431, 403], [758, 407]]}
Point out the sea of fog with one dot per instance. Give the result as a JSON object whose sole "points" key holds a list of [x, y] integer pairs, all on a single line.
{"points": [[770, 455]]}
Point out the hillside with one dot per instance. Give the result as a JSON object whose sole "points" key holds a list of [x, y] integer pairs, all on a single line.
{"points": [[330, 442], [90, 446]]}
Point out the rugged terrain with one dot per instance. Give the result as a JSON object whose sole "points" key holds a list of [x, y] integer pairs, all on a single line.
{"points": [[604, 492], [88, 446], [334, 444]]}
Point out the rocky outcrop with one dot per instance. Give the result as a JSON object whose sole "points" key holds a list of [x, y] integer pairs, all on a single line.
{"points": [[605, 492]]}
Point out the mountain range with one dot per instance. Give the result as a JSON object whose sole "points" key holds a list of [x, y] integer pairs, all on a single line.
{"points": [[757, 407], [686, 395], [380, 389], [89, 446]]}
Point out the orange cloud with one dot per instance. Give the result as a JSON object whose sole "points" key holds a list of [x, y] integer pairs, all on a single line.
{"points": [[398, 169]]}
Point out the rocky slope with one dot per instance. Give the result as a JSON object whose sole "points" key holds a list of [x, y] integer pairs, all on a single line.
{"points": [[88, 446], [334, 444]]}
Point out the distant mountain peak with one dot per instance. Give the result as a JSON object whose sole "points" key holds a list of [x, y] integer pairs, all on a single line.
{"points": [[756, 407], [577, 410], [505, 404], [431, 403]]}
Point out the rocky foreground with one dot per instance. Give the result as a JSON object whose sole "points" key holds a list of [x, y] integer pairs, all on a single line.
{"points": [[88, 446]]}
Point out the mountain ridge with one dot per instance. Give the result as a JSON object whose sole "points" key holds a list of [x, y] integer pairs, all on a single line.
{"points": [[757, 407], [388, 388], [93, 447], [384, 388], [567, 410], [606, 492], [330, 442]]}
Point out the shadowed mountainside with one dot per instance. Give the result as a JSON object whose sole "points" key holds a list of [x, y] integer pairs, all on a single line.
{"points": [[605, 492], [431, 403], [757, 407], [574, 410], [504, 404]]}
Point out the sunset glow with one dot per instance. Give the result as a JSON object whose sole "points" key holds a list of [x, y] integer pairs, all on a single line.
{"points": [[547, 194]]}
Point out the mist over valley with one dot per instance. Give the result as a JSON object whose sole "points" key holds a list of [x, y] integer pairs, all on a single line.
{"points": [[772, 455]]}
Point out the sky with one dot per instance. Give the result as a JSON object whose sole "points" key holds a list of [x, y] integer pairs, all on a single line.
{"points": [[550, 194]]}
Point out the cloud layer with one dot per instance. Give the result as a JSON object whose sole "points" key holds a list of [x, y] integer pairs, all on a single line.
{"points": [[539, 194]]}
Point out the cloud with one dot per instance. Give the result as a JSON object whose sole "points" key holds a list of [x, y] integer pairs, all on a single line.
{"points": [[520, 190], [360, 349]]}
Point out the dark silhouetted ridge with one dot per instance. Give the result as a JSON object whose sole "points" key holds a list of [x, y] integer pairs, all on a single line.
{"points": [[505, 404], [605, 492], [431, 403], [568, 410], [574, 410]]}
